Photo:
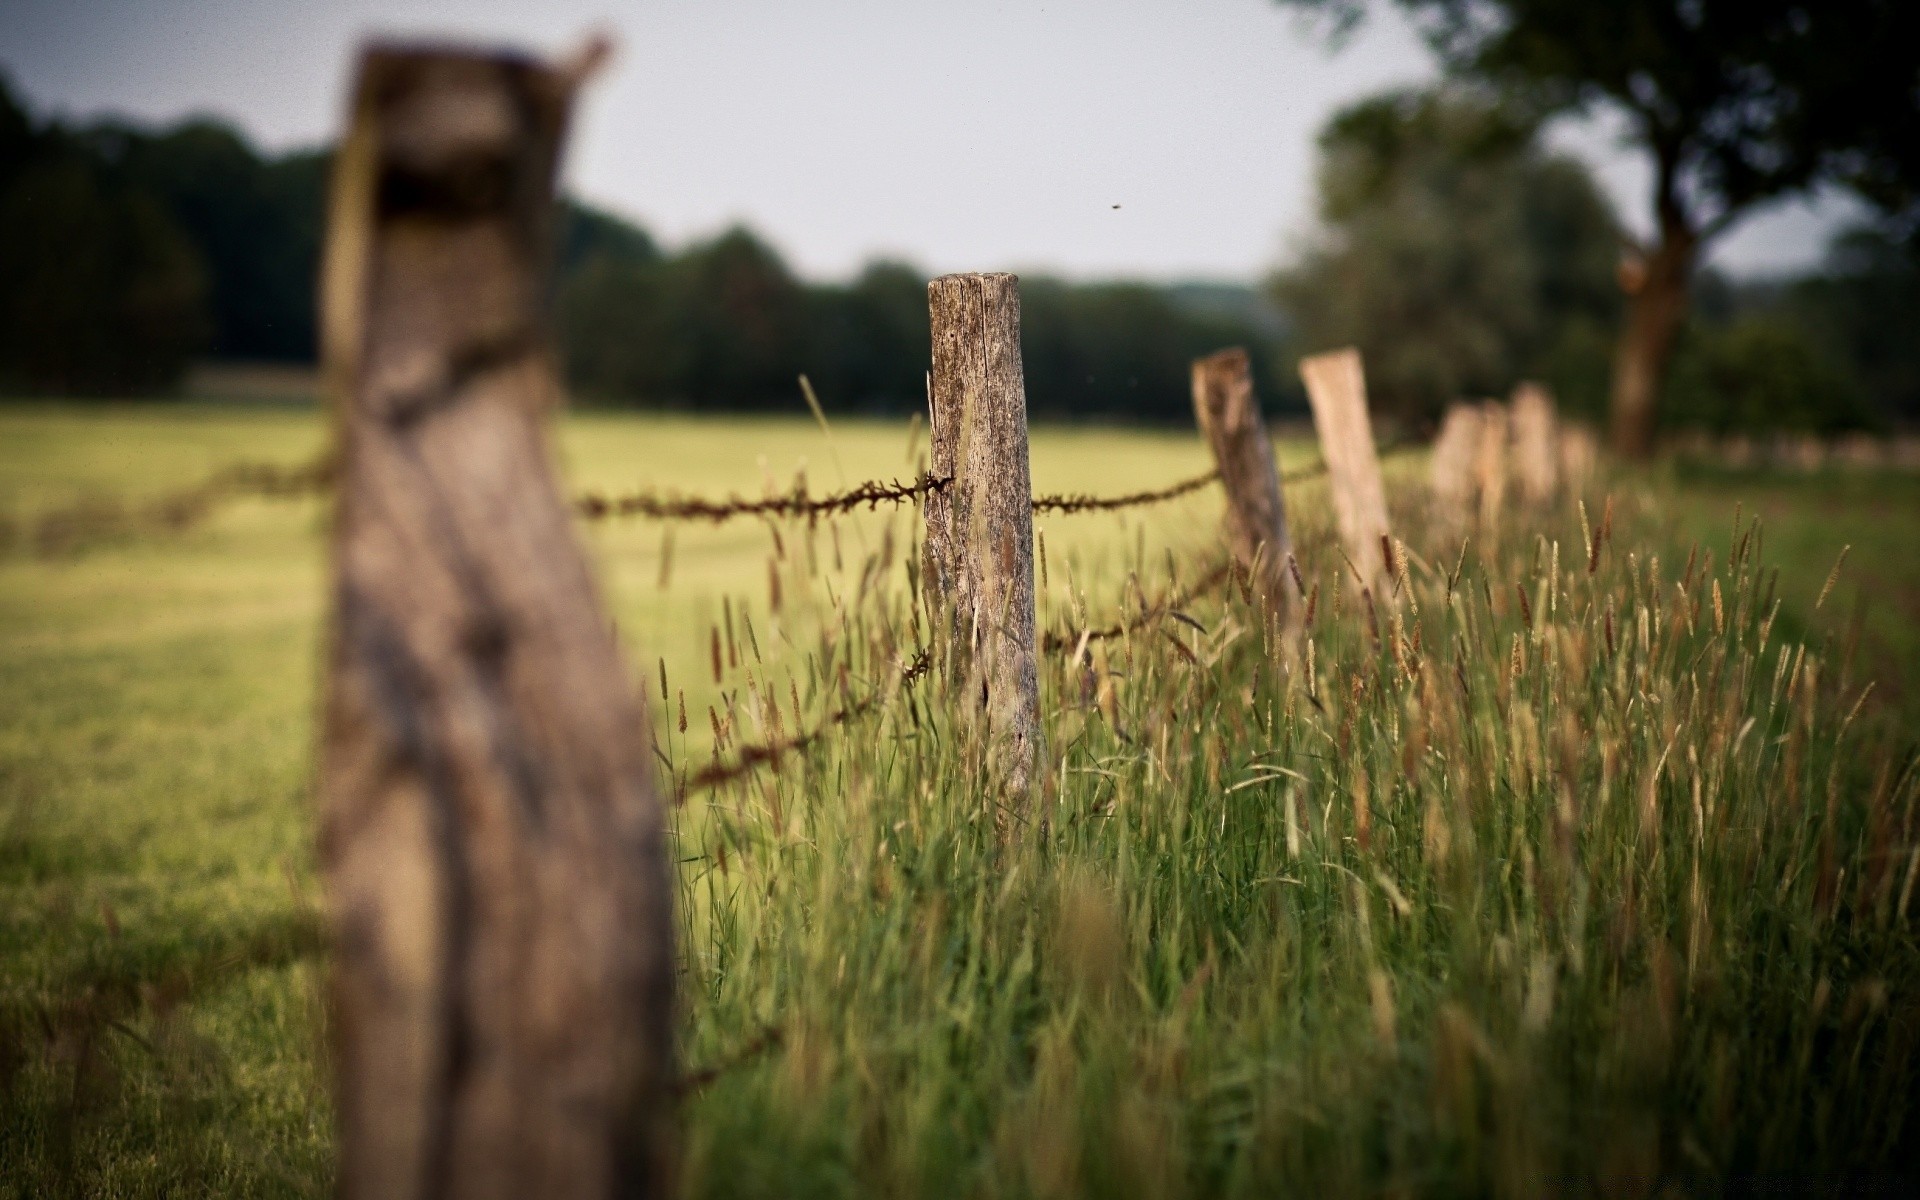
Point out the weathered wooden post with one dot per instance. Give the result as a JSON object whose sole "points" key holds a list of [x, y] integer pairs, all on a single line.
{"points": [[1491, 465], [1536, 444], [1455, 452], [979, 550], [491, 835], [1579, 457], [1337, 391], [1256, 520]]}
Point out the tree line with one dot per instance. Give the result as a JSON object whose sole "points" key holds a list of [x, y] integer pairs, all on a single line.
{"points": [[126, 253], [1454, 247]]}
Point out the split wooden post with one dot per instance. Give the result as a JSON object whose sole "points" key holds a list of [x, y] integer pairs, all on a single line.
{"points": [[1536, 444], [491, 834], [1455, 453], [1256, 520], [979, 551], [1337, 391]]}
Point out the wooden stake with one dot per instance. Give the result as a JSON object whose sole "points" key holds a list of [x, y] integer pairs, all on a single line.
{"points": [[1455, 452], [1337, 391], [1491, 465], [1536, 448], [491, 835], [1579, 457], [1256, 520], [979, 550]]}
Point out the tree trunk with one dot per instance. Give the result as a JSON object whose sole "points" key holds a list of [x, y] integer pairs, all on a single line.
{"points": [[491, 836], [1656, 306]]}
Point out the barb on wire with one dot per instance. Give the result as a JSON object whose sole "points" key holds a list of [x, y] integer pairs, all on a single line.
{"points": [[871, 494], [1065, 639], [1075, 502], [751, 758]]}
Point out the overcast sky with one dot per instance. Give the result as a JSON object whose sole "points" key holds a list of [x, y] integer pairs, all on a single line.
{"points": [[957, 134]]}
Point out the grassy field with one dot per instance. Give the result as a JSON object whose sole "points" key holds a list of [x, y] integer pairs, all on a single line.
{"points": [[1606, 885]]}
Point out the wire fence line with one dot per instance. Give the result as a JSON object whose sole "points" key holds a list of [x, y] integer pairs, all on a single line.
{"points": [[1057, 640], [870, 495], [94, 518], [753, 756], [1077, 502]]}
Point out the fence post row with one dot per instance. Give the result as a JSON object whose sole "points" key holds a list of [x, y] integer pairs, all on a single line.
{"points": [[1536, 451], [1256, 518], [979, 549], [1490, 462], [1337, 392], [1456, 451], [491, 835]]}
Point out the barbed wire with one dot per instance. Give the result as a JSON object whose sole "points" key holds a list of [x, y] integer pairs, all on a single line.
{"points": [[871, 494], [1076, 502], [1169, 605], [751, 757], [178, 510], [97, 518]]}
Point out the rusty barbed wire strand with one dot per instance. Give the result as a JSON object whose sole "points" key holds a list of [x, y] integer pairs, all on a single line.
{"points": [[96, 518], [871, 494], [1057, 640], [181, 509], [1076, 502], [752, 757]]}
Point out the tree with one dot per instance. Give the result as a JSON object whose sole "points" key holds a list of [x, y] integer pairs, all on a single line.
{"points": [[100, 290], [256, 223], [1735, 102], [1454, 252]]}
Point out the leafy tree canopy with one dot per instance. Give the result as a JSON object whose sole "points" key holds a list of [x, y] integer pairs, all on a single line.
{"points": [[1738, 101], [1735, 102], [1456, 253]]}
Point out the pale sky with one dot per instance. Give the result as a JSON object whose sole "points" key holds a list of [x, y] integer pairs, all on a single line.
{"points": [[956, 134]]}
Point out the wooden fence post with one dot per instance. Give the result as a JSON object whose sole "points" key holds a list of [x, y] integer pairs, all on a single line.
{"points": [[980, 531], [491, 834], [1256, 521], [1455, 452], [1536, 448], [1491, 465], [1579, 457], [1337, 391]]}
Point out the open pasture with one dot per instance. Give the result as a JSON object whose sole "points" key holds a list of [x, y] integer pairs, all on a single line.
{"points": [[1550, 873]]}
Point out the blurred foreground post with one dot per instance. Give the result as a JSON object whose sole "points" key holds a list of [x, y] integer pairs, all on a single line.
{"points": [[1229, 417], [490, 832], [1536, 444], [979, 553], [1337, 390]]}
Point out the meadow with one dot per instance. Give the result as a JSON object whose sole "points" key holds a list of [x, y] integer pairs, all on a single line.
{"points": [[1586, 863]]}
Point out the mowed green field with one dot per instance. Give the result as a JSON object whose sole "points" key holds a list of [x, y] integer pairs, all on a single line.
{"points": [[159, 960]]}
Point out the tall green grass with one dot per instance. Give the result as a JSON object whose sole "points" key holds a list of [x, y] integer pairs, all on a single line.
{"points": [[1580, 865], [1562, 868]]}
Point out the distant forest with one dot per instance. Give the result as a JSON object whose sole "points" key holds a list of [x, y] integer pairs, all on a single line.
{"points": [[127, 253]]}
